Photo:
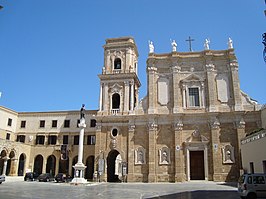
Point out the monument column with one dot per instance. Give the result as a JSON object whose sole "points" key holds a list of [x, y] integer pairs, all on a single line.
{"points": [[179, 156], [79, 166]]}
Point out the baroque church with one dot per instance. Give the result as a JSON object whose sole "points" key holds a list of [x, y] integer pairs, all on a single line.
{"points": [[188, 126]]}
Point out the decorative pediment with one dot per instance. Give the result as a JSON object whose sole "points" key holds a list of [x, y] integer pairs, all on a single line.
{"points": [[116, 88], [192, 78], [196, 137]]}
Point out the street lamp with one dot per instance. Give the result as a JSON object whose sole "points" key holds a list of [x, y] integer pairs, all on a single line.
{"points": [[264, 42]]}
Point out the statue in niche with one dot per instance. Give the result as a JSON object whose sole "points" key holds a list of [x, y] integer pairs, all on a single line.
{"points": [[228, 154], [140, 156], [164, 155]]}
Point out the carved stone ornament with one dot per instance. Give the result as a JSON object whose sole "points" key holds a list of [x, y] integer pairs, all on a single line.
{"points": [[210, 67], [196, 137], [153, 126], [113, 143], [215, 124], [234, 65], [131, 127], [176, 69], [241, 124], [178, 125]]}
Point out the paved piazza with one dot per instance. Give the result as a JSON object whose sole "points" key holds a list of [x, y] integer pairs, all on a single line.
{"points": [[51, 190]]}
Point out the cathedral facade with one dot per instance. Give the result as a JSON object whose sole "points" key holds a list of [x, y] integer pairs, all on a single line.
{"points": [[188, 126]]}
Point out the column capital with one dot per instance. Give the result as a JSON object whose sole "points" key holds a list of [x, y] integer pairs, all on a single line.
{"points": [[152, 126], [240, 124], [178, 125], [131, 127], [214, 124]]}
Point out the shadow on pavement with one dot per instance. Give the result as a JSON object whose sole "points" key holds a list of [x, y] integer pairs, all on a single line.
{"points": [[200, 195]]}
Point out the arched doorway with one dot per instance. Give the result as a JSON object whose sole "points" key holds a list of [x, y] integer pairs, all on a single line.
{"points": [[38, 164], [113, 166], [21, 164], [50, 165], [63, 166], [89, 168], [74, 161]]}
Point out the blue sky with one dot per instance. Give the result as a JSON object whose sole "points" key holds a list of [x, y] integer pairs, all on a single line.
{"points": [[51, 51]]}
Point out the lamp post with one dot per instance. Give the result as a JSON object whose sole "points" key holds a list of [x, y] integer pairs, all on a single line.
{"points": [[264, 42]]}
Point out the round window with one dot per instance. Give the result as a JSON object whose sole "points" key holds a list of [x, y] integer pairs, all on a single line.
{"points": [[114, 132]]}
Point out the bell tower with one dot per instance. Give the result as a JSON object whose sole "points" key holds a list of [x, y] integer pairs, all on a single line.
{"points": [[119, 83]]}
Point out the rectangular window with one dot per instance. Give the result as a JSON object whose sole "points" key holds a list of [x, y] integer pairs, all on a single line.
{"points": [[91, 140], [9, 122], [23, 124], [42, 123], [21, 138], [193, 97], [251, 165], [52, 139], [93, 123], [65, 139], [8, 136], [40, 139], [66, 123], [76, 140], [54, 123]]}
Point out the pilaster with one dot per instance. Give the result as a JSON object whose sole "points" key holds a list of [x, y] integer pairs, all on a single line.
{"points": [[152, 89], [211, 87], [216, 149], [126, 97], [176, 90], [240, 131], [131, 131], [236, 87], [152, 128], [179, 156]]}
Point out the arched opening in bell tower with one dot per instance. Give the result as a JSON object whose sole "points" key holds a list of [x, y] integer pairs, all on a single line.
{"points": [[117, 63], [115, 101]]}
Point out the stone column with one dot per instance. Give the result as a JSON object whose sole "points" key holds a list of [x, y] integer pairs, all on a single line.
{"points": [[216, 150], [126, 97], [211, 87], [5, 165], [236, 87], [152, 128], [13, 167], [176, 89], [79, 166], [132, 96], [101, 97], [179, 156], [131, 153], [105, 98]]}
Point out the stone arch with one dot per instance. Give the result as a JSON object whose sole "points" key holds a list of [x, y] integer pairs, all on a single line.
{"points": [[50, 165], [113, 166], [3, 161], [21, 164], [90, 168], [38, 164]]}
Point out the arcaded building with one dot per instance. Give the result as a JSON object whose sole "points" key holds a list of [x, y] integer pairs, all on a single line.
{"points": [[188, 126]]}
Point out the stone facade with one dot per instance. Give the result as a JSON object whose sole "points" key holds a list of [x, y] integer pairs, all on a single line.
{"points": [[188, 127]]}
